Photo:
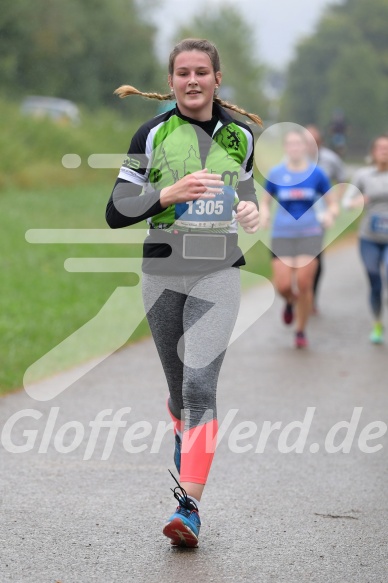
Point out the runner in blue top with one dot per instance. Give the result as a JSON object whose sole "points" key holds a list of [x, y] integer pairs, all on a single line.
{"points": [[297, 230]]}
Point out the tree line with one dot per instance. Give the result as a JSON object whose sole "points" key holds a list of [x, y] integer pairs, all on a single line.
{"points": [[76, 50], [343, 65], [83, 50]]}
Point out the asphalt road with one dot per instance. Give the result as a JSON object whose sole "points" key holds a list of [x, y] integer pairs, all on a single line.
{"points": [[268, 515]]}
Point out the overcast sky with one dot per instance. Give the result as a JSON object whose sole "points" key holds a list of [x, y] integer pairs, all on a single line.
{"points": [[279, 24]]}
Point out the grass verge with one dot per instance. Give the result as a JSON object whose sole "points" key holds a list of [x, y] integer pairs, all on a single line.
{"points": [[41, 303]]}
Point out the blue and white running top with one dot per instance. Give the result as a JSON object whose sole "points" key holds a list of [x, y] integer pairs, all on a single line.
{"points": [[296, 193]]}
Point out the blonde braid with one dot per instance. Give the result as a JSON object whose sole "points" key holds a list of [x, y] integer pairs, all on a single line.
{"points": [[126, 90], [255, 118]]}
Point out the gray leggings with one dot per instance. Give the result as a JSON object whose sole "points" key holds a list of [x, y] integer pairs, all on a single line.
{"points": [[191, 320]]}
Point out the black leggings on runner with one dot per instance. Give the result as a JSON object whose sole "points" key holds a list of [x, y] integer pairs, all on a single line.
{"points": [[191, 320], [318, 274]]}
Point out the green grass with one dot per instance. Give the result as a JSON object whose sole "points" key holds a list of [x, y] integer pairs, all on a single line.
{"points": [[41, 303], [32, 149]]}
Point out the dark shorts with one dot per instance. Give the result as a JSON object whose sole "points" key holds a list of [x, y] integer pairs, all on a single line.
{"points": [[296, 246]]}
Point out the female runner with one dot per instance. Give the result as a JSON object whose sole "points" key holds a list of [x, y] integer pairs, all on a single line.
{"points": [[297, 233], [370, 189], [192, 166]]}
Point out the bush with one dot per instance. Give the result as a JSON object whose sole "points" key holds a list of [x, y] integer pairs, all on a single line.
{"points": [[32, 149]]}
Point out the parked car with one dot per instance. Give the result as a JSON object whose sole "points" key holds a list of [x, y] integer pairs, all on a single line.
{"points": [[61, 111]]}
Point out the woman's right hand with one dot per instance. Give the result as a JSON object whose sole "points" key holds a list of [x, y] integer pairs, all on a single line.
{"points": [[200, 184]]}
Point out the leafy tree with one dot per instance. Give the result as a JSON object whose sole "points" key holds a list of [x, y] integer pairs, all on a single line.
{"points": [[371, 19], [344, 64], [357, 86], [234, 39], [307, 83], [79, 50]]}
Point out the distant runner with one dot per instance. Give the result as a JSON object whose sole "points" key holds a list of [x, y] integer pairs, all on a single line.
{"points": [[297, 233], [337, 130], [372, 182]]}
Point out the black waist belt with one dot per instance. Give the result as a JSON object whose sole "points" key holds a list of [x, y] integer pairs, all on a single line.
{"points": [[191, 246]]}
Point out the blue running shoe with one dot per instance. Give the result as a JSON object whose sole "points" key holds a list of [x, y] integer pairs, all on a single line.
{"points": [[183, 526], [177, 453]]}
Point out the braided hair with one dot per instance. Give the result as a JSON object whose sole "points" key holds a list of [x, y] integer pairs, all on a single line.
{"points": [[189, 45]]}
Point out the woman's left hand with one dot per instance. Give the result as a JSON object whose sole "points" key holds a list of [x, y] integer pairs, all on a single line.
{"points": [[327, 219], [248, 216]]}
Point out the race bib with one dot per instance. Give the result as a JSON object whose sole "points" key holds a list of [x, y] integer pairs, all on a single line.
{"points": [[379, 224], [207, 213]]}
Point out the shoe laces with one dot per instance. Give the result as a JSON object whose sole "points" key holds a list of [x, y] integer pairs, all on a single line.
{"points": [[185, 503]]}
